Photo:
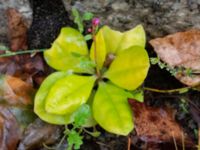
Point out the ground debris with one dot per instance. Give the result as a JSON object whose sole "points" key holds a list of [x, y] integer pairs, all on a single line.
{"points": [[181, 50], [15, 91], [157, 125], [25, 67], [16, 98], [10, 133], [17, 30]]}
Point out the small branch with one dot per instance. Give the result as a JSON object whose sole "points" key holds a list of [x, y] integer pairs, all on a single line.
{"points": [[183, 141], [174, 140], [166, 91], [129, 143], [21, 52], [199, 138]]}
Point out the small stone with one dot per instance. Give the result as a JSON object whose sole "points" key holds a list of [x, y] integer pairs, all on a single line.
{"points": [[120, 6]]}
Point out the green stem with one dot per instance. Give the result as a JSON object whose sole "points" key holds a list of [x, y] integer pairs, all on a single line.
{"points": [[166, 91], [21, 52]]}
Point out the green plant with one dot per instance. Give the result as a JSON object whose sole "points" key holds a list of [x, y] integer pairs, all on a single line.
{"points": [[74, 138], [79, 19], [173, 70], [103, 78]]}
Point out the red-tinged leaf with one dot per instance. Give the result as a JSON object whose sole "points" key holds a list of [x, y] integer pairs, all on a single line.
{"points": [[157, 124], [15, 91], [17, 96]]}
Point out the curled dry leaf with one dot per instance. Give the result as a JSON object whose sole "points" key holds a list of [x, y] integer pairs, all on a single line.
{"points": [[9, 130], [157, 124], [15, 91], [17, 29], [30, 69], [39, 133], [15, 99], [181, 49]]}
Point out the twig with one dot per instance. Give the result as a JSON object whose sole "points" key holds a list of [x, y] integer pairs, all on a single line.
{"points": [[166, 91], [103, 144], [129, 143], [199, 138], [57, 147], [174, 140], [10, 53]]}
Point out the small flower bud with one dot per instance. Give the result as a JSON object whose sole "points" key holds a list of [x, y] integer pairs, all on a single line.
{"points": [[95, 21], [89, 30]]}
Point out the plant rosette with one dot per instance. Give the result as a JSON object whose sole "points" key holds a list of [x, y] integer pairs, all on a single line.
{"points": [[86, 77]]}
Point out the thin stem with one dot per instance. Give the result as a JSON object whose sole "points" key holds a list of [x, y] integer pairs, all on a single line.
{"points": [[129, 143], [166, 91], [21, 52], [199, 138], [58, 146], [174, 140]]}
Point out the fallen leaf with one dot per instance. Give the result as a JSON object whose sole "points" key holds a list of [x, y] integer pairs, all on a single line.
{"points": [[17, 29], [157, 124], [10, 133], [29, 69], [181, 50], [39, 133], [16, 97], [195, 112], [15, 91]]}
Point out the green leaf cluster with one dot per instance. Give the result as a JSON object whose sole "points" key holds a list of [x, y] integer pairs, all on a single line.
{"points": [[78, 19], [85, 77], [74, 139]]}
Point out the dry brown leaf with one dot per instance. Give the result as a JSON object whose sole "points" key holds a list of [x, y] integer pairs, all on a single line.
{"points": [[39, 133], [17, 30], [156, 124], [15, 91], [181, 49], [30, 69], [15, 99], [10, 133]]}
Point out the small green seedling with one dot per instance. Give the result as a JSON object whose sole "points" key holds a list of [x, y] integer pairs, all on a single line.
{"points": [[173, 70], [86, 77], [78, 19], [74, 139]]}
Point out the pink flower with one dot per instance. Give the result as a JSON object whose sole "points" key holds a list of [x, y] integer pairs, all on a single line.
{"points": [[95, 21]]}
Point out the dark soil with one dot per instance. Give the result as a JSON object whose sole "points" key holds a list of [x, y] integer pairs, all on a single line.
{"points": [[49, 16]]}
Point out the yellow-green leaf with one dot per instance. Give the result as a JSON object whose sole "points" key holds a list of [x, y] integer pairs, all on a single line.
{"points": [[135, 36], [98, 50], [129, 68], [112, 39], [111, 109], [68, 94], [67, 51], [40, 100]]}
